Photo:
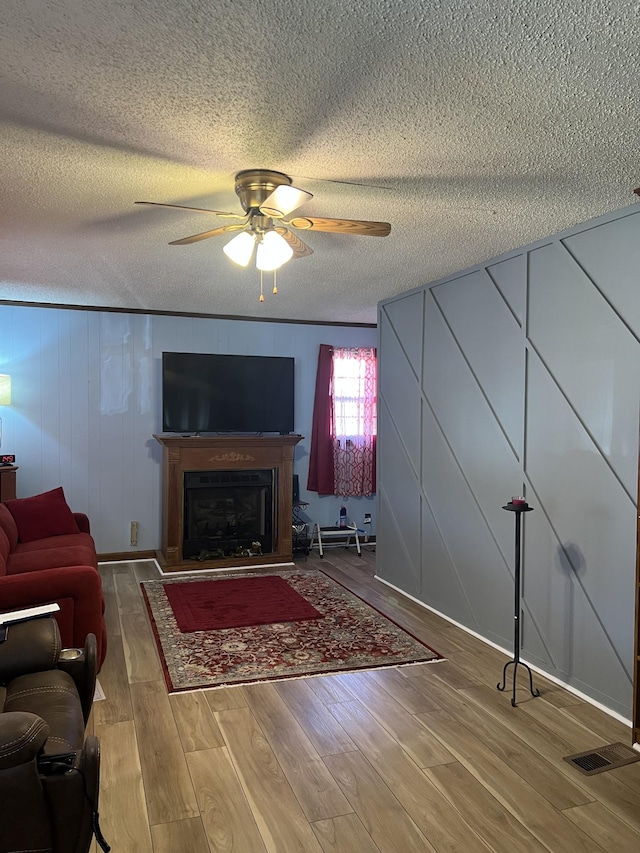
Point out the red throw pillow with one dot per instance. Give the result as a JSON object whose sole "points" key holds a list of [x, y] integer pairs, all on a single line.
{"points": [[42, 515]]}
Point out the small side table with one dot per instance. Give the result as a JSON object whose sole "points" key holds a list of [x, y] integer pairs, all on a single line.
{"points": [[7, 482], [332, 537]]}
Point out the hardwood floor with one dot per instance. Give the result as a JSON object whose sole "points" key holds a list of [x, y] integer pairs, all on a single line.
{"points": [[421, 758]]}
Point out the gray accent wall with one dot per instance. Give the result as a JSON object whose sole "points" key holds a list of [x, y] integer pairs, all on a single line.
{"points": [[520, 376], [87, 401]]}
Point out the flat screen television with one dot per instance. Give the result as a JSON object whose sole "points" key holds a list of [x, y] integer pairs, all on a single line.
{"points": [[207, 392]]}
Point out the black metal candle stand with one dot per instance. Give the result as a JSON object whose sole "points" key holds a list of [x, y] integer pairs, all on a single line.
{"points": [[518, 509]]}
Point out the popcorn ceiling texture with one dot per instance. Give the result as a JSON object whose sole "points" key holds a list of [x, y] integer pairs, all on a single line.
{"points": [[476, 128]]}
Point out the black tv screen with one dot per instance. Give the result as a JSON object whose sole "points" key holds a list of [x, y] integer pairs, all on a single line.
{"points": [[205, 392]]}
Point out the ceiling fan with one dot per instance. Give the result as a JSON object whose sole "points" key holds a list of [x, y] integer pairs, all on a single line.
{"points": [[268, 197]]}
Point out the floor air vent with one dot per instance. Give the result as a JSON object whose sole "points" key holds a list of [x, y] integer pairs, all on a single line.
{"points": [[604, 758]]}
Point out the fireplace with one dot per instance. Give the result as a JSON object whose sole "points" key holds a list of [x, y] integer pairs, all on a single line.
{"points": [[227, 514], [226, 500]]}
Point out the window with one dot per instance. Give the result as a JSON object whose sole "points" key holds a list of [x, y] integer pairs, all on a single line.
{"points": [[354, 421], [354, 393], [343, 449]]}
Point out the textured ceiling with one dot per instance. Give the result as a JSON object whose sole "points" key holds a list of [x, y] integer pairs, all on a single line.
{"points": [[475, 127]]}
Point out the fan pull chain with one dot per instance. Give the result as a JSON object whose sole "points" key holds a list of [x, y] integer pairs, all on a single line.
{"points": [[261, 293], [275, 284]]}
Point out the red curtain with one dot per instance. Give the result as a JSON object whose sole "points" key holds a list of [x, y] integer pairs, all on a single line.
{"points": [[342, 455], [321, 476]]}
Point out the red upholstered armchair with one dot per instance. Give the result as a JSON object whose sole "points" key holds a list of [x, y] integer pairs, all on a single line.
{"points": [[60, 568]]}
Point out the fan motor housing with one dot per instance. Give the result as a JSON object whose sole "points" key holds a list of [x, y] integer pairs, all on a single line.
{"points": [[254, 186]]}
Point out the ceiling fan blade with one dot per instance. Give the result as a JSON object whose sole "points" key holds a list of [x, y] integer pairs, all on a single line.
{"points": [[300, 248], [341, 226], [196, 209], [283, 200], [206, 234]]}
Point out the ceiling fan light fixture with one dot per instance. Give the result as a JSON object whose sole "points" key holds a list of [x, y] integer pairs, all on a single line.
{"points": [[273, 251], [240, 249], [283, 200]]}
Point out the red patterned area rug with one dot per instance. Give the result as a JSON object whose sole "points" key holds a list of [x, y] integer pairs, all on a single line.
{"points": [[346, 635]]}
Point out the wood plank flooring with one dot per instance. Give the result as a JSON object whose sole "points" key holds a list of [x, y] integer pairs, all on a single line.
{"points": [[420, 758]]}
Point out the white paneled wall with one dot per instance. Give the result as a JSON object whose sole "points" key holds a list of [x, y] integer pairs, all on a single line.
{"points": [[521, 376], [87, 401]]}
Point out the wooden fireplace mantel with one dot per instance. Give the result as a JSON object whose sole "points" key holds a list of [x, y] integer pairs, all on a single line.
{"points": [[219, 453]]}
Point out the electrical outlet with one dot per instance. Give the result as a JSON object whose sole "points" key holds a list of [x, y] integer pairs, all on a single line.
{"points": [[133, 538], [367, 521]]}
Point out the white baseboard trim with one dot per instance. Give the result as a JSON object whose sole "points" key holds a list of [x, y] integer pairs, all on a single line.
{"points": [[509, 653], [197, 572], [214, 570]]}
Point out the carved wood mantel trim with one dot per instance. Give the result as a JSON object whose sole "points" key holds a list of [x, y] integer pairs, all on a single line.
{"points": [[219, 453]]}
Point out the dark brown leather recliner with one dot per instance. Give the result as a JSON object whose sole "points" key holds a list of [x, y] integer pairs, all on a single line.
{"points": [[49, 771]]}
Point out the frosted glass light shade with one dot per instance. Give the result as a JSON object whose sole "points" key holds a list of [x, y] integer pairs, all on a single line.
{"points": [[240, 249], [273, 252], [5, 389], [283, 200]]}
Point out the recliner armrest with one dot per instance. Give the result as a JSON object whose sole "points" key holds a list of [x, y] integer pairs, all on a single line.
{"points": [[22, 736], [82, 666], [31, 646]]}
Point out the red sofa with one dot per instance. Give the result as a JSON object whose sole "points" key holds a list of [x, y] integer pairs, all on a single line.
{"points": [[60, 568]]}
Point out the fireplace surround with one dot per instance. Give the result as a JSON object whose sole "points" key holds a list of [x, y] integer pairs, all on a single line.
{"points": [[225, 499]]}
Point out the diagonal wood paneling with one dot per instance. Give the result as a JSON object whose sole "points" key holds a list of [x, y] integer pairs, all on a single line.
{"points": [[562, 425], [572, 588], [468, 425], [402, 392], [610, 254], [589, 352], [510, 278], [406, 315], [480, 568], [489, 338], [398, 536]]}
